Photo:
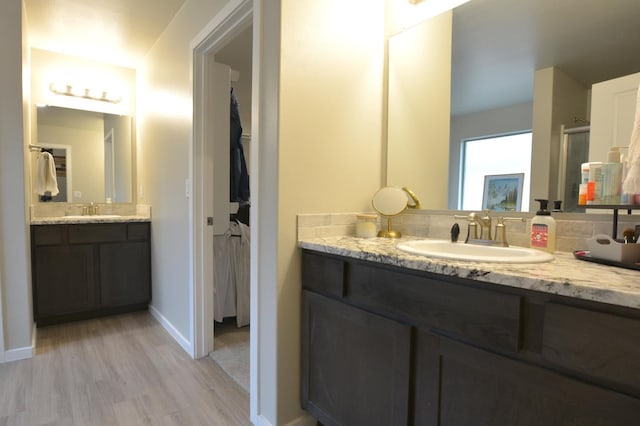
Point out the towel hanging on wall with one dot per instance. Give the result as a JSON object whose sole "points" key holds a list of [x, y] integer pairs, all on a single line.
{"points": [[631, 184], [46, 180]]}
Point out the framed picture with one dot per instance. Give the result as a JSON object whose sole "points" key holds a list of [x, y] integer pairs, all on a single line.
{"points": [[503, 193]]}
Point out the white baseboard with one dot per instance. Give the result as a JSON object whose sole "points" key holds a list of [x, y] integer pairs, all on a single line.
{"points": [[21, 353], [303, 420], [177, 336], [18, 354], [261, 421]]}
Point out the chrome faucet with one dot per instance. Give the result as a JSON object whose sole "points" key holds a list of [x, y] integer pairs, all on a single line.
{"points": [[484, 222]]}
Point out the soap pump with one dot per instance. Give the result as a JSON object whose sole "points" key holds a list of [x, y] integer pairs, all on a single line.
{"points": [[543, 228]]}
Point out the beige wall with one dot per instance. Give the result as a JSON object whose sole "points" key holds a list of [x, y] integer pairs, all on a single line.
{"points": [[419, 110], [163, 145], [330, 141], [557, 99], [124, 156], [15, 279]]}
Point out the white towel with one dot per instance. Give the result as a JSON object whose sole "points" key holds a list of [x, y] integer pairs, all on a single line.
{"points": [[631, 184], [46, 180]]}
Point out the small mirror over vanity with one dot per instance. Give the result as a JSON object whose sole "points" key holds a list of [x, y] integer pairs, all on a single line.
{"points": [[94, 155]]}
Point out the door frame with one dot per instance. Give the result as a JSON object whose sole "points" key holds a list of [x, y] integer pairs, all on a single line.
{"points": [[109, 166], [233, 18]]}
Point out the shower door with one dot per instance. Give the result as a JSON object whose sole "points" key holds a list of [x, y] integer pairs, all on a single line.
{"points": [[575, 151]]}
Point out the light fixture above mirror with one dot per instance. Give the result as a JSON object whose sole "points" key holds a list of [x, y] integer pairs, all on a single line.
{"points": [[93, 94]]}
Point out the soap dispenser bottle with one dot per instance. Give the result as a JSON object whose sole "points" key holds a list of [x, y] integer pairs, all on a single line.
{"points": [[543, 229]]}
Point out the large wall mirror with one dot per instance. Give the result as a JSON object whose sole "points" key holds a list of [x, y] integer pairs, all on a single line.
{"points": [[495, 49], [94, 154]]}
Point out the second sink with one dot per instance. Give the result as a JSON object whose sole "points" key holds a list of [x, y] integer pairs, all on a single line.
{"points": [[443, 249]]}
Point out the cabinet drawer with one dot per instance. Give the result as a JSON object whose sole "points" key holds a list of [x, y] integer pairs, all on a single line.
{"points": [[44, 235], [323, 274], [138, 231], [481, 316], [476, 387], [596, 344], [97, 233]]}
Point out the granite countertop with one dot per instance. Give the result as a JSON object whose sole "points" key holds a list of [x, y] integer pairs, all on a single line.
{"points": [[57, 220], [564, 276]]}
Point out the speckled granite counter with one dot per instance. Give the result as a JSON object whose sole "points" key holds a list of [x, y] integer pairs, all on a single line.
{"points": [[58, 220], [564, 276]]}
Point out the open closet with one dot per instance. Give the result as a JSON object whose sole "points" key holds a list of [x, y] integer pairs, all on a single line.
{"points": [[231, 114]]}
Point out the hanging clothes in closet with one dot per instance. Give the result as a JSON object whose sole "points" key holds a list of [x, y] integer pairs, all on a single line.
{"points": [[239, 179], [231, 253]]}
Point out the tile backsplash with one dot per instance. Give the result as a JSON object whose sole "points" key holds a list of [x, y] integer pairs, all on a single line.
{"points": [[572, 229], [62, 209]]}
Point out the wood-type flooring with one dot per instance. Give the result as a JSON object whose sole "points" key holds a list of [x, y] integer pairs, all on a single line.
{"points": [[120, 370]]}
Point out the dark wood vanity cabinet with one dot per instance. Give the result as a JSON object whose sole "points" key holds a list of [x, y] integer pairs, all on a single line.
{"points": [[356, 363], [387, 346], [87, 270]]}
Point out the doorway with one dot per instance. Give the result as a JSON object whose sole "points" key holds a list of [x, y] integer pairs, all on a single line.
{"points": [[231, 28], [231, 206]]}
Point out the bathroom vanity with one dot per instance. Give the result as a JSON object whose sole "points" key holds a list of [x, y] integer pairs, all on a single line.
{"points": [[89, 268], [390, 338]]}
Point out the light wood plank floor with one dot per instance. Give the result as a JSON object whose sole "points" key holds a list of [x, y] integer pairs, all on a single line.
{"points": [[122, 370]]}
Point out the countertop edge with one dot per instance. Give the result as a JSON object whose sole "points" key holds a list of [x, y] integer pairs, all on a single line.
{"points": [[66, 221], [564, 276]]}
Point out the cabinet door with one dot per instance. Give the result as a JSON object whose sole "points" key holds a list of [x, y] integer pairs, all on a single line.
{"points": [[64, 280], [482, 388], [125, 276], [355, 365]]}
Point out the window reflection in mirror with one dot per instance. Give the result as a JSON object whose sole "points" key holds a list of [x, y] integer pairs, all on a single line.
{"points": [[103, 153], [494, 156]]}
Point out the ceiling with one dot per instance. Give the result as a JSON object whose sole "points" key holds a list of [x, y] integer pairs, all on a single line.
{"points": [[119, 32], [498, 44]]}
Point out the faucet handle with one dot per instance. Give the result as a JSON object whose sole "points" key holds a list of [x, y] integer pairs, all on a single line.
{"points": [[471, 217], [472, 228], [501, 229]]}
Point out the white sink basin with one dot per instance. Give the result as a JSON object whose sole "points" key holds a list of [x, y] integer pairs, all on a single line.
{"points": [[92, 216], [443, 249]]}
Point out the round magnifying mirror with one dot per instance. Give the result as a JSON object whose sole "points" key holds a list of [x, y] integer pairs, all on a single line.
{"points": [[389, 201]]}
